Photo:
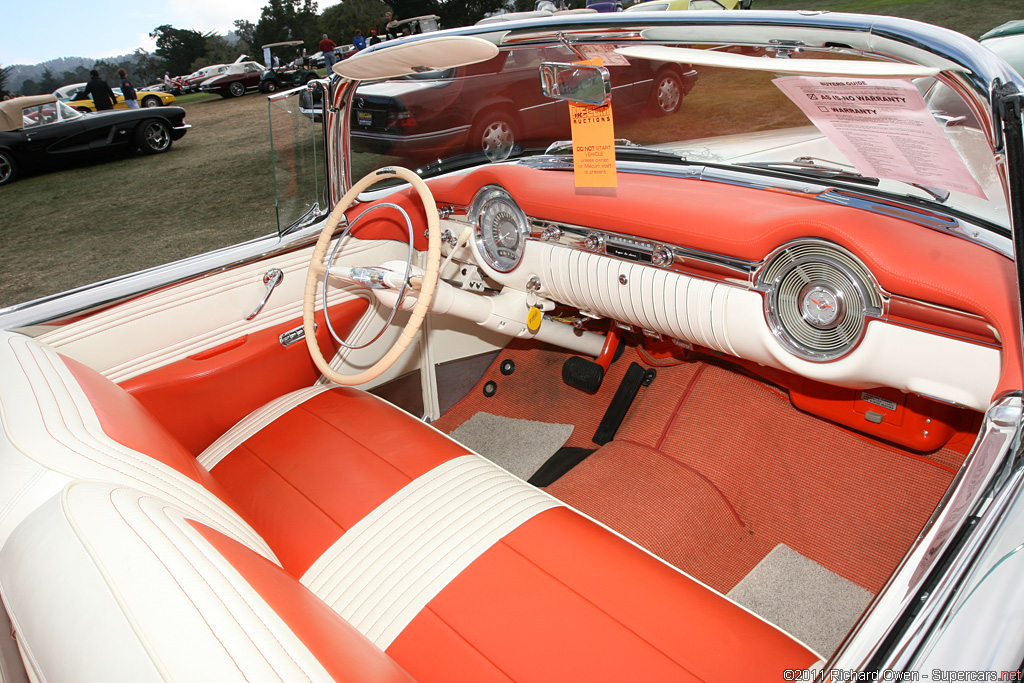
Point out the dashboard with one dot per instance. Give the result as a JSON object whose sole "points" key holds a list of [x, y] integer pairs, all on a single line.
{"points": [[842, 295]]}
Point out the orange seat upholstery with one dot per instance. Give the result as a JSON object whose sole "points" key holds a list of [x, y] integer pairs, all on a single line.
{"points": [[355, 542]]}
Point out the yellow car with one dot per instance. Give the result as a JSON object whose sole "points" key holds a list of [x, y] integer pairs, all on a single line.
{"points": [[662, 5], [146, 98]]}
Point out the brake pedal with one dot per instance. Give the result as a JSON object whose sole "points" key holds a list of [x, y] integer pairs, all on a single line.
{"points": [[587, 375]]}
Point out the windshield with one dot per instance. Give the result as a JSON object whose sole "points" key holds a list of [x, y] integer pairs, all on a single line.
{"points": [[874, 133], [68, 112]]}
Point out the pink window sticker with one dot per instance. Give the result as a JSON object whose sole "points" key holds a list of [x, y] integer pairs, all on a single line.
{"points": [[883, 127]]}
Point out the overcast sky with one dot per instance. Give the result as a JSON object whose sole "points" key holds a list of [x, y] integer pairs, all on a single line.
{"points": [[33, 31]]}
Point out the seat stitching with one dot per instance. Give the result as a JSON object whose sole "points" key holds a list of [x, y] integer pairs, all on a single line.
{"points": [[602, 610], [126, 459], [366, 535], [467, 642], [287, 481], [114, 505], [457, 520], [303, 408]]}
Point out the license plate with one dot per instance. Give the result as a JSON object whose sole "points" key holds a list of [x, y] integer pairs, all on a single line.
{"points": [[364, 118]]}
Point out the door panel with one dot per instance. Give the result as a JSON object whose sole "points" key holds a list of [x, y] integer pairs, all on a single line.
{"points": [[171, 324], [190, 356], [198, 398]]}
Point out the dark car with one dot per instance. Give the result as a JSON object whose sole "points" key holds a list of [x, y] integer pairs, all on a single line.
{"points": [[41, 131], [494, 106], [299, 71], [236, 80], [273, 80]]}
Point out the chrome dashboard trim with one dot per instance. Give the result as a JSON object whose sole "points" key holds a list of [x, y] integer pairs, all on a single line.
{"points": [[814, 190], [710, 266]]}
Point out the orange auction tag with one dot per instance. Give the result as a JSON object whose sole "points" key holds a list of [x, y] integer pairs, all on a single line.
{"points": [[593, 142]]}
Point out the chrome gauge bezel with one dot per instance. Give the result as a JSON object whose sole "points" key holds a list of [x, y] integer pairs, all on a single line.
{"points": [[493, 203], [850, 286]]}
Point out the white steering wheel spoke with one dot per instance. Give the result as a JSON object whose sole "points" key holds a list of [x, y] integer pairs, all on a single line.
{"points": [[402, 277]]}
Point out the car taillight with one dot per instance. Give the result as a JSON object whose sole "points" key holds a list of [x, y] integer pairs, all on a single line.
{"points": [[401, 119]]}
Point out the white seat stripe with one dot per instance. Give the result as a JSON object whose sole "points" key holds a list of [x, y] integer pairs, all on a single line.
{"points": [[254, 422], [387, 567]]}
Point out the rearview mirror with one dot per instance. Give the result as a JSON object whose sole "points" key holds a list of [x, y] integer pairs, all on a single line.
{"points": [[576, 82]]}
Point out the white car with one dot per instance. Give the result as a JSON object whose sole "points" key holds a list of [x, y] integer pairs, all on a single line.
{"points": [[727, 391]]}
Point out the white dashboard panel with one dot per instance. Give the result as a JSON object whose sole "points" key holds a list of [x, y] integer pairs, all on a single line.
{"points": [[730, 319]]}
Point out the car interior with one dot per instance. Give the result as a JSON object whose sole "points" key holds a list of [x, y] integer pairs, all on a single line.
{"points": [[492, 425]]}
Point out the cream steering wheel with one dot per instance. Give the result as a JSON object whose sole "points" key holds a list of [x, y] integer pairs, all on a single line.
{"points": [[318, 269]]}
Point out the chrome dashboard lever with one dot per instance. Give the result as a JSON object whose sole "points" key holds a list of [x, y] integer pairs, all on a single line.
{"points": [[272, 278]]}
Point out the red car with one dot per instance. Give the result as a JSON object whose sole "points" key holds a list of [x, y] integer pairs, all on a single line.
{"points": [[494, 106], [236, 80]]}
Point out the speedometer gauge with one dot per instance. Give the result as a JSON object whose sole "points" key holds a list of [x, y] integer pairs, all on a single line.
{"points": [[501, 228]]}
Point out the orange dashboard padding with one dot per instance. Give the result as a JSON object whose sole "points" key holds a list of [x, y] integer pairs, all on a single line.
{"points": [[198, 398], [908, 259]]}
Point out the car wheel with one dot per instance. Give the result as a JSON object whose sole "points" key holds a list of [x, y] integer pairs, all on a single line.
{"points": [[150, 101], [236, 89], [8, 169], [667, 94], [494, 135], [153, 137], [268, 86]]}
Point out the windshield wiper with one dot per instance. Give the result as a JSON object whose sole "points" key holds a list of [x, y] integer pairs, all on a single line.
{"points": [[808, 167]]}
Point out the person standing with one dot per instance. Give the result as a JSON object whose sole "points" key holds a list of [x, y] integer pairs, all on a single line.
{"points": [[358, 42], [131, 99], [327, 48], [374, 38], [102, 96], [389, 29]]}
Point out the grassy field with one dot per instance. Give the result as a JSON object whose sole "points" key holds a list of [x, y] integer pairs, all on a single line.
{"points": [[971, 17], [215, 187]]}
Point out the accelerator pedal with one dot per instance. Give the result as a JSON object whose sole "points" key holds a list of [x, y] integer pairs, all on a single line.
{"points": [[635, 378]]}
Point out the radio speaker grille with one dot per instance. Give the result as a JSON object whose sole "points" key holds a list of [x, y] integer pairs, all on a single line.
{"points": [[818, 300]]}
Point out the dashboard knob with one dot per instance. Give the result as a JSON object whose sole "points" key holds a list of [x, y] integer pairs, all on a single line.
{"points": [[552, 233], [662, 256], [594, 241]]}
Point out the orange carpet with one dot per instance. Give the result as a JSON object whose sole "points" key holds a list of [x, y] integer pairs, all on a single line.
{"points": [[711, 469]]}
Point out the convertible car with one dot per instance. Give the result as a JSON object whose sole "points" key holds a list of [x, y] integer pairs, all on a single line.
{"points": [[146, 98], [41, 132], [730, 394]]}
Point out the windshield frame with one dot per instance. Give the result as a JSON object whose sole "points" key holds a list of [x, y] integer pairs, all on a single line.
{"points": [[973, 74]]}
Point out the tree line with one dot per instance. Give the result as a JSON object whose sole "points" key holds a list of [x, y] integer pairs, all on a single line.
{"points": [[182, 51]]}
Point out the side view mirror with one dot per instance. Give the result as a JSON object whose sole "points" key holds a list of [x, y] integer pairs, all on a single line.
{"points": [[576, 82]]}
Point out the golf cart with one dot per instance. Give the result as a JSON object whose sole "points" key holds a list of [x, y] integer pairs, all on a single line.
{"points": [[421, 24], [294, 74]]}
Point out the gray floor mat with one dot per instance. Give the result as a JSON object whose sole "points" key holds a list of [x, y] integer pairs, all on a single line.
{"points": [[520, 446], [800, 596]]}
